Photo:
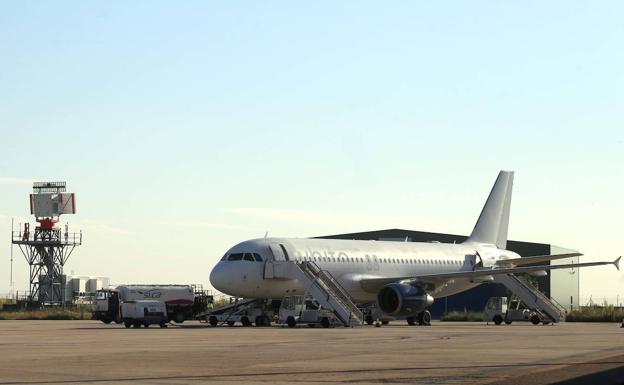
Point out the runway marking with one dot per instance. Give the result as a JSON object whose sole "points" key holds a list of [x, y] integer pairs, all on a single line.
{"points": [[267, 374]]}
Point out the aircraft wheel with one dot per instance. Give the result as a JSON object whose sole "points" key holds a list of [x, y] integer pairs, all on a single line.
{"points": [[424, 318], [290, 321], [411, 321], [497, 319]]}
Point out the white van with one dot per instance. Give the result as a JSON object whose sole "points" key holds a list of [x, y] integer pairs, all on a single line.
{"points": [[144, 312]]}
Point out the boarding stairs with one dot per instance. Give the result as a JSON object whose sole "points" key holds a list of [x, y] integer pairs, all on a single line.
{"points": [[321, 285], [532, 297], [229, 310]]}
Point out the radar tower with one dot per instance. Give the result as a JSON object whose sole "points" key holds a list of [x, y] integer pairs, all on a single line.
{"points": [[47, 249]]}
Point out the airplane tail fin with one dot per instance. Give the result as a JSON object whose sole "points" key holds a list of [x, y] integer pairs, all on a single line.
{"points": [[493, 222]]}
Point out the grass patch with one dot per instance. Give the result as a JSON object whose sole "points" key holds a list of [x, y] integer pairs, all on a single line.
{"points": [[47, 314], [462, 316], [607, 313]]}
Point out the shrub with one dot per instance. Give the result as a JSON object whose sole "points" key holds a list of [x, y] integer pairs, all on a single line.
{"points": [[607, 313], [45, 314]]}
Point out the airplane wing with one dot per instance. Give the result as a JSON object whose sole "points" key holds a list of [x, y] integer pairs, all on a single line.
{"points": [[434, 280], [536, 259]]}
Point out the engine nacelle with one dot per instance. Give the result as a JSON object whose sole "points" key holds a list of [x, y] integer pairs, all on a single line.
{"points": [[398, 299]]}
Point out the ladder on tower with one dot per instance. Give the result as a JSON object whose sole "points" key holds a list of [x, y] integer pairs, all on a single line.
{"points": [[532, 297], [325, 289]]}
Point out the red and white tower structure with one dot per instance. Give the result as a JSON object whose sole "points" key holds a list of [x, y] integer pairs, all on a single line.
{"points": [[48, 247]]}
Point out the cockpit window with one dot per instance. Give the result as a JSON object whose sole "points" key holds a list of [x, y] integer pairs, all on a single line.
{"points": [[251, 257]]}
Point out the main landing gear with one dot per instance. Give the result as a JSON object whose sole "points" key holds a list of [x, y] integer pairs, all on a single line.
{"points": [[422, 319]]}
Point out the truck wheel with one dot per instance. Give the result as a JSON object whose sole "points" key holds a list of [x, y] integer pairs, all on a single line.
{"points": [[245, 321], [385, 322], [137, 324], [369, 320], [230, 323], [508, 322], [127, 324], [179, 317], [107, 320], [146, 324], [290, 321], [411, 321], [497, 319], [213, 321], [325, 322], [535, 319]]}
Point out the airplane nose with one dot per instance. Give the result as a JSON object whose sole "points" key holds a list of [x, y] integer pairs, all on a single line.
{"points": [[218, 277]]}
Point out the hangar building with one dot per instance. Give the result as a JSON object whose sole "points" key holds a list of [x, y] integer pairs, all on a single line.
{"points": [[561, 286]]}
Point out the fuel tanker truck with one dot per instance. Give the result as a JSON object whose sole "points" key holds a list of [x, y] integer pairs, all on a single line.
{"points": [[181, 301]]}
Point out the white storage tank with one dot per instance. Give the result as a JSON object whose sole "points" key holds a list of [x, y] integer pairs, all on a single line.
{"points": [[79, 286], [93, 285]]}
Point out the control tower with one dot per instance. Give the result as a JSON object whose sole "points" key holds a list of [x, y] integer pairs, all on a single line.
{"points": [[47, 248]]}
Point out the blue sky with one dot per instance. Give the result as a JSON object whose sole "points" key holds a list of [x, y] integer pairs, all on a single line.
{"points": [[186, 127]]}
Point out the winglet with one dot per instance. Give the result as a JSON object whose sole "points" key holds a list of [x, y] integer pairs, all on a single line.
{"points": [[616, 263]]}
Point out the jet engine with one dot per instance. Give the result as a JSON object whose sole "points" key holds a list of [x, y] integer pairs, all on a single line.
{"points": [[398, 299]]}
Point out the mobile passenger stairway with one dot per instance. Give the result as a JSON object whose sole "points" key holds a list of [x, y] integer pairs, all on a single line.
{"points": [[533, 298], [321, 285]]}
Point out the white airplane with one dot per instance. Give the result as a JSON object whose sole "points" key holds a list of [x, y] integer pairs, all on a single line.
{"points": [[403, 278]]}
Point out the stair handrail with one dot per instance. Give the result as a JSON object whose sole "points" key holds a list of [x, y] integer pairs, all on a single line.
{"points": [[326, 279], [539, 295], [344, 295], [543, 296]]}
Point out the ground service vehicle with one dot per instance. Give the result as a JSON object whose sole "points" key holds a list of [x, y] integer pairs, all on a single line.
{"points": [[499, 310], [299, 309], [181, 301], [146, 313]]}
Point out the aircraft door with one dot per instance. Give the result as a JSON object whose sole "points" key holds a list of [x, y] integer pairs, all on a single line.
{"points": [[279, 252]]}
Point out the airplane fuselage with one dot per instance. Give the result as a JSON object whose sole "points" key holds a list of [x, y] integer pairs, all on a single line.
{"points": [[243, 270]]}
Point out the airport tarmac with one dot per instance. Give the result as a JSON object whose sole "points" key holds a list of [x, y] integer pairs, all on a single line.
{"points": [[68, 352]]}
